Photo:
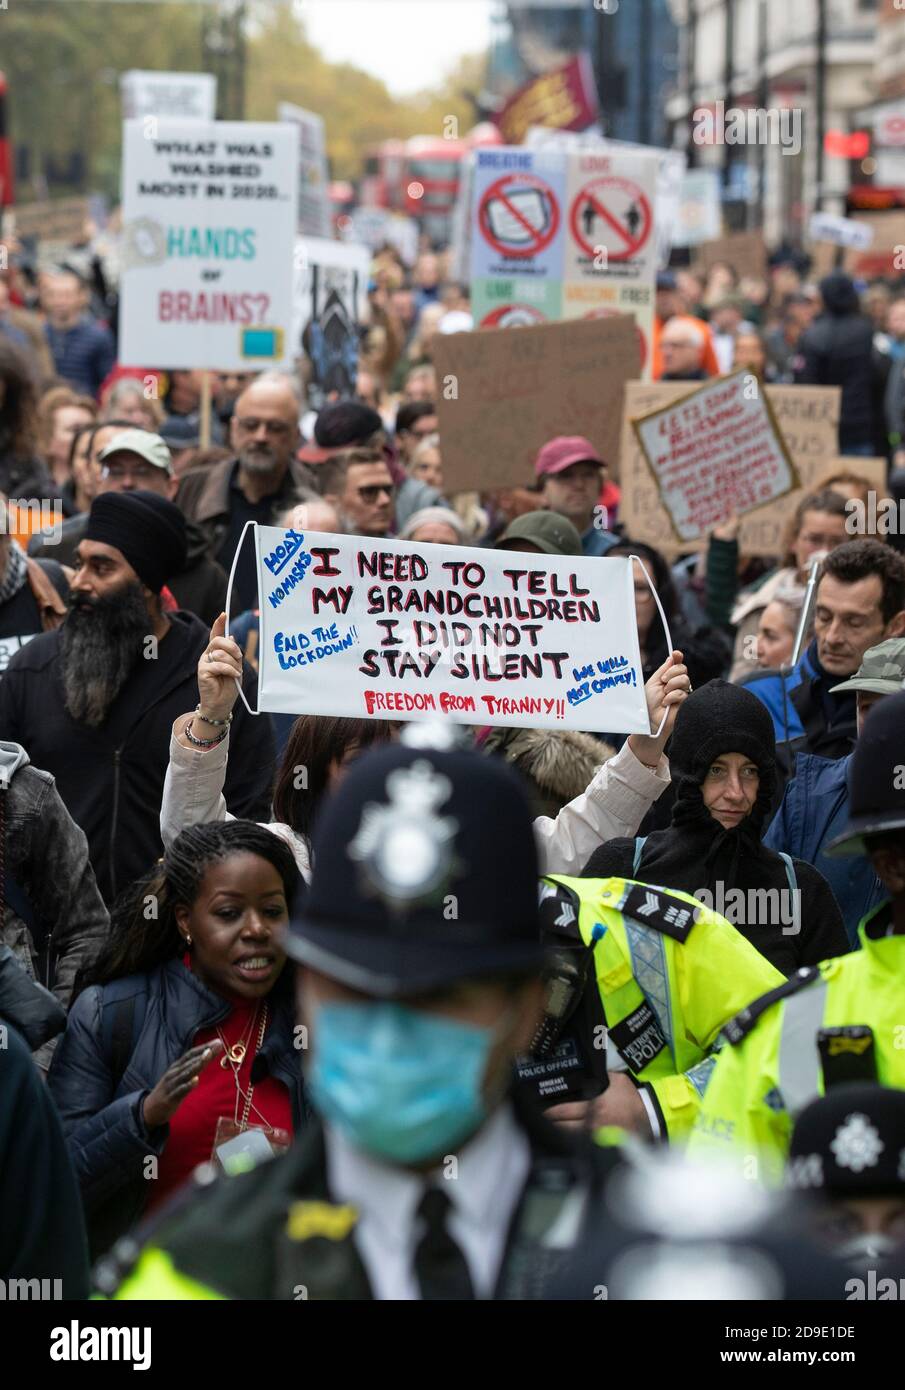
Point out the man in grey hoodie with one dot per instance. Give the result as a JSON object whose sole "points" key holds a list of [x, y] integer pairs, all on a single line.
{"points": [[51, 913]]}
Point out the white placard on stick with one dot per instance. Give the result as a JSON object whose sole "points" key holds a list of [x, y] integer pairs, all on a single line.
{"points": [[386, 629], [209, 213], [188, 96], [314, 205], [717, 451]]}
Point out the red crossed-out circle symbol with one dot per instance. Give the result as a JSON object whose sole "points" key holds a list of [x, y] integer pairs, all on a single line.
{"points": [[519, 215], [612, 213], [512, 316]]}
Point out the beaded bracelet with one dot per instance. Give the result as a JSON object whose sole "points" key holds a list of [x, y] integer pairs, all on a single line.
{"points": [[203, 742], [215, 723]]}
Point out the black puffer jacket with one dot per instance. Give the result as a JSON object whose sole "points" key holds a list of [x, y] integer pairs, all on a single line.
{"points": [[838, 350], [119, 1041]]}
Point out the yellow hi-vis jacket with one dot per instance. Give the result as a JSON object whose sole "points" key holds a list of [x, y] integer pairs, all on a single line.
{"points": [[670, 974], [772, 1065]]}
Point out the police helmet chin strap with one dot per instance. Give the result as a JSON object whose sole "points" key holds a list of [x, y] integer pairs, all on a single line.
{"points": [[229, 595], [638, 561]]}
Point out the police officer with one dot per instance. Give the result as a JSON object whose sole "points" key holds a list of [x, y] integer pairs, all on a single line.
{"points": [[426, 1176], [837, 1022], [646, 978], [848, 1154]]}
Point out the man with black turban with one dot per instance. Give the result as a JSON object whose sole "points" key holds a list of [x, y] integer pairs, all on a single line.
{"points": [[93, 702]]}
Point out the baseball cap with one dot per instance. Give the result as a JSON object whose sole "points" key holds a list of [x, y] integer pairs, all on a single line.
{"points": [[666, 280], [882, 670], [148, 446], [875, 802], [560, 453], [425, 873], [550, 532]]}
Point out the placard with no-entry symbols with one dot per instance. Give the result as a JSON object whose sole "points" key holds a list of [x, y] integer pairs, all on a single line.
{"points": [[518, 227]]}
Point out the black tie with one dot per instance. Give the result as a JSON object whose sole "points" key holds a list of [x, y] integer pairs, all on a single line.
{"points": [[439, 1263]]}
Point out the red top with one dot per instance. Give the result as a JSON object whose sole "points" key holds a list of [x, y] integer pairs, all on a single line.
{"points": [[194, 1124]]}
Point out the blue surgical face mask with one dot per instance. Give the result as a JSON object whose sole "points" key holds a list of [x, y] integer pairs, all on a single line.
{"points": [[401, 1084]]}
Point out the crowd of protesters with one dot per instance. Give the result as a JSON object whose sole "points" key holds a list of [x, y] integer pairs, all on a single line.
{"points": [[163, 863]]}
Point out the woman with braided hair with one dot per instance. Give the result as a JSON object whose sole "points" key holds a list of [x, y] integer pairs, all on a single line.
{"points": [[180, 1046]]}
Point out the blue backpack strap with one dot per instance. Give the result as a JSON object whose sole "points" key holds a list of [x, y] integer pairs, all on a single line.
{"points": [[640, 842], [790, 870]]}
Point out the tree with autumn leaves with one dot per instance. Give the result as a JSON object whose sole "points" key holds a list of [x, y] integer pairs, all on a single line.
{"points": [[63, 63]]}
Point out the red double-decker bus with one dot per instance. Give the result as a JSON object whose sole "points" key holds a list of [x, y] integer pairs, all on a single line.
{"points": [[420, 176]]}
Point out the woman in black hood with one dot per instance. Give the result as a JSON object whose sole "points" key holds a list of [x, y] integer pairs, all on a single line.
{"points": [[722, 759]]}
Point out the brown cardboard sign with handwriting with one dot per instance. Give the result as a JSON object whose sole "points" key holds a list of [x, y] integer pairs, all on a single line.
{"points": [[502, 393], [808, 417]]}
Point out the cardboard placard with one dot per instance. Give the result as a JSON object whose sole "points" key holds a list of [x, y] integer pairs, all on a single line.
{"points": [[62, 220], [380, 628], [808, 417], [745, 251], [717, 451], [503, 395]]}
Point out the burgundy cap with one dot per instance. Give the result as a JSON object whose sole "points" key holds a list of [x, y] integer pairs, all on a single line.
{"points": [[313, 453], [563, 451]]}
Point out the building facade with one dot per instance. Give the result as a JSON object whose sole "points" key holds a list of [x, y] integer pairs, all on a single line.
{"points": [[810, 66]]}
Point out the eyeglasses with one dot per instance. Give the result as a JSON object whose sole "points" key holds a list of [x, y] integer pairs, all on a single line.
{"points": [[371, 493], [277, 428], [117, 472]]}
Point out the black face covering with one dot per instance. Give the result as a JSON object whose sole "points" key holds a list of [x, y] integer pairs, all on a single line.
{"points": [[696, 852]]}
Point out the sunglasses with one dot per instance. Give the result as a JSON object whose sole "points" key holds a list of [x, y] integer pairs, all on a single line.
{"points": [[371, 493]]}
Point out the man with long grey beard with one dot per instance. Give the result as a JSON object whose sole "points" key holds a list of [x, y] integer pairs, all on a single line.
{"points": [[93, 703]]}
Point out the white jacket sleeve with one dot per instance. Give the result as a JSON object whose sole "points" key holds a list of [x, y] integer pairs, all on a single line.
{"points": [[613, 806], [193, 788]]}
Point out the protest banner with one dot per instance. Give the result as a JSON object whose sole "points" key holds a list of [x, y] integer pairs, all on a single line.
{"points": [[611, 249], [699, 218], [840, 231], [209, 213], [716, 452], [329, 301], [745, 251], [517, 233], [502, 395], [186, 96], [314, 208], [565, 229], [564, 98], [808, 417], [62, 220], [885, 255], [365, 628], [672, 166]]}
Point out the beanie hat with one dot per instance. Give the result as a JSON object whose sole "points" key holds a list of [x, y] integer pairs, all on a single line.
{"points": [[145, 528], [342, 424]]}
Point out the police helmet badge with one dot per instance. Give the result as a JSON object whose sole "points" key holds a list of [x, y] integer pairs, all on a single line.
{"points": [[405, 850]]}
